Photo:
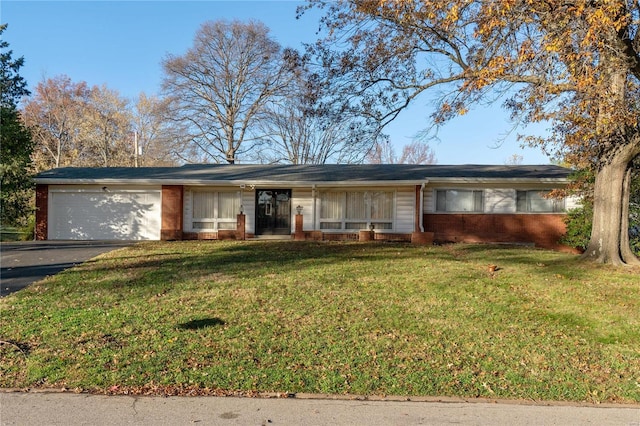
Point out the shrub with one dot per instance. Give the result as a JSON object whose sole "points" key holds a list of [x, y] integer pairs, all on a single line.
{"points": [[578, 223]]}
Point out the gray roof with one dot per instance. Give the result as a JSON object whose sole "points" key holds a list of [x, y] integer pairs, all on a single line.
{"points": [[277, 173]]}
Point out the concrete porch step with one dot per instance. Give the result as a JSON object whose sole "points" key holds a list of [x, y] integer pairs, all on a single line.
{"points": [[271, 237]]}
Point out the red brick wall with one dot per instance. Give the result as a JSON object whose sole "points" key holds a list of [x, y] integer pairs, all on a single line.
{"points": [[226, 234], [543, 230], [199, 235], [171, 228], [241, 228], [42, 212]]}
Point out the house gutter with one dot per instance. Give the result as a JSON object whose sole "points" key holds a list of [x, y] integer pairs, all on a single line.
{"points": [[318, 184], [261, 183], [314, 195], [497, 180], [421, 209]]}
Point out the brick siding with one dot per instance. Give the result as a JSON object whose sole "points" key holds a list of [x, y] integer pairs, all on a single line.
{"points": [[172, 200], [42, 212], [542, 230]]}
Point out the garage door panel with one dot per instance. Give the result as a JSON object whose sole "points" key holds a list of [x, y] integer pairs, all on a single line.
{"points": [[105, 216]]}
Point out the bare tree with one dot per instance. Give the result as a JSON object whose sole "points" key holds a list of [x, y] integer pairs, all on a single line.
{"points": [[417, 152], [220, 87], [300, 128], [294, 136], [514, 160]]}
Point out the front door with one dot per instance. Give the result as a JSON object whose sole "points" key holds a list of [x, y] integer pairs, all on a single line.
{"points": [[273, 212]]}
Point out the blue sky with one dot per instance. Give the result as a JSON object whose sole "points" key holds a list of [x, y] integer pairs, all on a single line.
{"points": [[121, 44]]}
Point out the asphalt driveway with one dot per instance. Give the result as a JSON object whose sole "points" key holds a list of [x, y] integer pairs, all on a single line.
{"points": [[23, 263]]}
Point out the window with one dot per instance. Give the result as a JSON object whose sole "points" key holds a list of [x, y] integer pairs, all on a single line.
{"points": [[382, 209], [215, 210], [355, 210], [228, 205], [535, 202], [331, 210], [459, 200]]}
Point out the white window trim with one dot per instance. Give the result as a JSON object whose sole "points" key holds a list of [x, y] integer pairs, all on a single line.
{"points": [[435, 201], [562, 210], [216, 221], [344, 220]]}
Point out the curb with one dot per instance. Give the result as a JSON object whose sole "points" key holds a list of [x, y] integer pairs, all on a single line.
{"points": [[353, 397]]}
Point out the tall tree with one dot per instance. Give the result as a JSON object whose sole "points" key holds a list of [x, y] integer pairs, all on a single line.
{"points": [[159, 141], [76, 125], [107, 136], [54, 115], [220, 87], [572, 63], [417, 152], [299, 127], [15, 141]]}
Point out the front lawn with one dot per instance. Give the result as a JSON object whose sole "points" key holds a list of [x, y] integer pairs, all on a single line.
{"points": [[339, 318]]}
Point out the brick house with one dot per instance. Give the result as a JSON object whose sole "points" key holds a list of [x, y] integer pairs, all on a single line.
{"points": [[418, 203]]}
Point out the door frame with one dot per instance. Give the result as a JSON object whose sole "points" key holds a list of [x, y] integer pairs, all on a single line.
{"points": [[287, 215]]}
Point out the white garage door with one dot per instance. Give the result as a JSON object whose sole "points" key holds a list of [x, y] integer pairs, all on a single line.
{"points": [[105, 214]]}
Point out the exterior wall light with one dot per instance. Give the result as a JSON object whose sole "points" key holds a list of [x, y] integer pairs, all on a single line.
{"points": [[299, 209]]}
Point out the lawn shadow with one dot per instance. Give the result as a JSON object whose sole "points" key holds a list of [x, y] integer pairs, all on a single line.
{"points": [[198, 324]]}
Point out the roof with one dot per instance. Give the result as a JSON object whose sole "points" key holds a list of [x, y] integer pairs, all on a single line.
{"points": [[356, 174]]}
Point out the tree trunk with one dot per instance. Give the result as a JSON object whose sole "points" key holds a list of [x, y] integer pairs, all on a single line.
{"points": [[626, 253], [610, 227], [609, 235]]}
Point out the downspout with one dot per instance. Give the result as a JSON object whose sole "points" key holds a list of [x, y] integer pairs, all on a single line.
{"points": [[421, 209], [313, 208]]}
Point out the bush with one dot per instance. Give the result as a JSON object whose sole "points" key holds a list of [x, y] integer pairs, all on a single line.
{"points": [[25, 233], [634, 228], [578, 223]]}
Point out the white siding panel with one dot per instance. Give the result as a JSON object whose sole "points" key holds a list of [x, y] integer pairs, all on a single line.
{"points": [[302, 197], [96, 214], [405, 215], [499, 200], [249, 206]]}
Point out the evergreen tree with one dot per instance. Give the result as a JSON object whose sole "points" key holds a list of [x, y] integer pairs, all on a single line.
{"points": [[15, 142]]}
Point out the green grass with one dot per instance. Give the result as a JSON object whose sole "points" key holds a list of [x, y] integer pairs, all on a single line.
{"points": [[339, 318]]}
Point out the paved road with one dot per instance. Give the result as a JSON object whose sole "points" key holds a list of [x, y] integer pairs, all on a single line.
{"points": [[23, 263], [82, 409]]}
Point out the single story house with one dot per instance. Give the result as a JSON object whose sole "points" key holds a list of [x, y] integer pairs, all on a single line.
{"points": [[418, 203]]}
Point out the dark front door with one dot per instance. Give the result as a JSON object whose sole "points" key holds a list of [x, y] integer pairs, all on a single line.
{"points": [[273, 212]]}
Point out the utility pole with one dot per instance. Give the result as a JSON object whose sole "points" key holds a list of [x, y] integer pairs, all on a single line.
{"points": [[135, 148]]}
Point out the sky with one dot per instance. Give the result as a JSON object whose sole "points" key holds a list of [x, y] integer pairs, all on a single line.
{"points": [[121, 44]]}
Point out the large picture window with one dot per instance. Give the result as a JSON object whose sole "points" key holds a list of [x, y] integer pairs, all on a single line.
{"points": [[214, 210], [355, 210], [536, 202], [459, 200]]}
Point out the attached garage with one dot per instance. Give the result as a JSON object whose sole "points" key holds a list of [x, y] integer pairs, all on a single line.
{"points": [[104, 213]]}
